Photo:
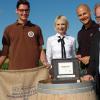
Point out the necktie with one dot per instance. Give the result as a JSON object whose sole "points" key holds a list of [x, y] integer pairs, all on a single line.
{"points": [[63, 52]]}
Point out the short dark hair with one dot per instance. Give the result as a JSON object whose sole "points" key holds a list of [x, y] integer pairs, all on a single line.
{"points": [[23, 2]]}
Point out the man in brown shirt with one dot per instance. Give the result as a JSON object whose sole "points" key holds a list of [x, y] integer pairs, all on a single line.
{"points": [[22, 41]]}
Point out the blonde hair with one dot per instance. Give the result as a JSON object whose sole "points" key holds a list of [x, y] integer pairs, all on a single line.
{"points": [[62, 17]]}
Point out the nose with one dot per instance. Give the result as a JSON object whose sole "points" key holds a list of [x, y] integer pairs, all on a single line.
{"points": [[25, 11], [81, 16]]}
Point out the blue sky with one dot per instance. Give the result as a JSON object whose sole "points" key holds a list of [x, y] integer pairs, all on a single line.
{"points": [[43, 13]]}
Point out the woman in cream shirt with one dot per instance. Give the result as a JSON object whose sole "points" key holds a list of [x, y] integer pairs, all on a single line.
{"points": [[54, 48]]}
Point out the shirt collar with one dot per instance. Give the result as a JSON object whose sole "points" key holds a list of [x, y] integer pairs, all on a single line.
{"points": [[28, 22], [58, 34], [92, 25]]}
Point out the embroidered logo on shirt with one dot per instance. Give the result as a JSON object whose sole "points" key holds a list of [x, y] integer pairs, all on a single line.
{"points": [[91, 34], [30, 34]]}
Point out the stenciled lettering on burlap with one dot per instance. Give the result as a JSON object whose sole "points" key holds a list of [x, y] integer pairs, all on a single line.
{"points": [[23, 92]]}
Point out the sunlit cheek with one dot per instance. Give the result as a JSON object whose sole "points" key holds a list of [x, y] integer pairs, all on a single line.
{"points": [[65, 29], [57, 29]]}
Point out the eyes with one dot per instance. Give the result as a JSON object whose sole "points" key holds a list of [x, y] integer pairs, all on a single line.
{"points": [[97, 17], [24, 10], [83, 14], [60, 24]]}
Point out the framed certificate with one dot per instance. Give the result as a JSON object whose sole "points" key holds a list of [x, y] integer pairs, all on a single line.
{"points": [[65, 69]]}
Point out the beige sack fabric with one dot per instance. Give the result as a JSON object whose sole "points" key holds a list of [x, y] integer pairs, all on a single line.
{"points": [[21, 84]]}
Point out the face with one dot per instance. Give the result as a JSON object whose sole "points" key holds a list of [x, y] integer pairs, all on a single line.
{"points": [[23, 12], [61, 26], [84, 14], [97, 13]]}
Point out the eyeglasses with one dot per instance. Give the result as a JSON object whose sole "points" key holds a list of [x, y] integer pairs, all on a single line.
{"points": [[24, 10], [97, 17]]}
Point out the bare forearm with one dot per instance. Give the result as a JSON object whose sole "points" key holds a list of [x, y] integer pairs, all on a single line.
{"points": [[2, 59], [43, 57]]}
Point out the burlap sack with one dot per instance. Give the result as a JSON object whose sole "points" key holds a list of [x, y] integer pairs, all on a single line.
{"points": [[21, 84]]}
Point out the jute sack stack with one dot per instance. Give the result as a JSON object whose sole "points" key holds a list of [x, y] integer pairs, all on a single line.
{"points": [[21, 84]]}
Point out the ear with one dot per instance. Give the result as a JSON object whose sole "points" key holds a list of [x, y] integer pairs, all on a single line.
{"points": [[16, 10]]}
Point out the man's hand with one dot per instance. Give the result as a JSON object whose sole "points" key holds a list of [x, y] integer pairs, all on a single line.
{"points": [[78, 56], [46, 65], [87, 78], [84, 60]]}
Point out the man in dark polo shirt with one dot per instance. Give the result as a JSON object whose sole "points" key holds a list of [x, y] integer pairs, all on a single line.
{"points": [[93, 71], [85, 35], [22, 41]]}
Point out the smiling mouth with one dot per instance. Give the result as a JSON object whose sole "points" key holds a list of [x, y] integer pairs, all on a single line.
{"points": [[84, 19]]}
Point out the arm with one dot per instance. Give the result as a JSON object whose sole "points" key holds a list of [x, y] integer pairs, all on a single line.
{"points": [[44, 59], [49, 51], [5, 49], [43, 56], [85, 59], [78, 49], [73, 50], [93, 63], [78, 55], [2, 59], [94, 56]]}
